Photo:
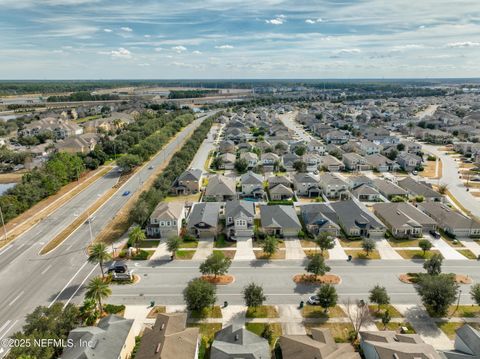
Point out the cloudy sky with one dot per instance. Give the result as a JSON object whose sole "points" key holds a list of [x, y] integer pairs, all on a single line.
{"points": [[102, 39]]}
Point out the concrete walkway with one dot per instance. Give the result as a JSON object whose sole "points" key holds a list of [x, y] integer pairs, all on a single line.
{"points": [[138, 313], [244, 250], [293, 249], [337, 252], [447, 251], [425, 326], [291, 319], [386, 251], [161, 253], [472, 245], [204, 249], [234, 314]]}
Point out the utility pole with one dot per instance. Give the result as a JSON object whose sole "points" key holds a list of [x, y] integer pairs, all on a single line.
{"points": [[3, 224]]}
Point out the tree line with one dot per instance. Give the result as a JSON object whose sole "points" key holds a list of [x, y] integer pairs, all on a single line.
{"points": [[82, 96], [190, 93]]}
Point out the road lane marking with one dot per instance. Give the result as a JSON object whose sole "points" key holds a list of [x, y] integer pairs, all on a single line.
{"points": [[66, 285], [16, 298], [81, 284], [6, 249], [9, 328], [46, 269], [3, 326]]}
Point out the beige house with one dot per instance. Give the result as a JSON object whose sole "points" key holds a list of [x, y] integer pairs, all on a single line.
{"points": [[166, 220]]}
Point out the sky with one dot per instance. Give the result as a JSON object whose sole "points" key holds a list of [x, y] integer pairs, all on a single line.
{"points": [[173, 39]]}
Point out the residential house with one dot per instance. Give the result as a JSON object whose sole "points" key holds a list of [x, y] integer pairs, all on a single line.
{"points": [[319, 345], [368, 148], [408, 161], [220, 189], [274, 180], [316, 146], [203, 219], [169, 338], [251, 158], [252, 185], [188, 182], [279, 220], [264, 145], [269, 161], [306, 184], [354, 162], [337, 137], [358, 180], [280, 192], [226, 146], [356, 220], [313, 161], [381, 163], [234, 342], [366, 193], [449, 220], [415, 188], [289, 160], [467, 344], [412, 147], [389, 344], [227, 162], [166, 220], [333, 187], [404, 220], [388, 189], [79, 144], [114, 338], [239, 216], [331, 164], [319, 218]]}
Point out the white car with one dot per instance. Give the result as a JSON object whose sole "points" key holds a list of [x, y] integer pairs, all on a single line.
{"points": [[313, 300]]}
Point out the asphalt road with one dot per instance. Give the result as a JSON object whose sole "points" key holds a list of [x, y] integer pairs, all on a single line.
{"points": [[165, 281], [29, 279]]}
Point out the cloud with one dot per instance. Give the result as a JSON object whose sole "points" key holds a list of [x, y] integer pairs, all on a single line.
{"points": [[144, 64], [158, 49], [314, 21], [107, 30], [463, 44], [126, 29], [348, 51], [121, 53], [279, 20], [196, 52], [224, 47], [179, 49], [407, 47]]}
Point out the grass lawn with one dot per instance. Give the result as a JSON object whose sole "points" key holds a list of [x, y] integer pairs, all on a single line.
{"points": [[259, 254], [262, 311], [340, 331], [222, 242], [307, 243], [156, 310], [350, 244], [449, 327], [403, 242], [190, 198], [452, 242], [311, 252], [315, 311], [467, 253], [258, 329], [464, 311], [396, 327], [149, 244], [360, 254], [394, 313], [259, 244], [210, 312], [207, 332], [184, 254], [227, 253], [142, 255], [189, 244], [416, 254]]}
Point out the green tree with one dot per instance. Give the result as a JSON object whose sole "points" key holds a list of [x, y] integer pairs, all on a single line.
{"points": [[216, 264], [136, 236], [317, 266], [437, 292], [379, 296], [98, 253], [217, 162], [89, 312], [442, 189], [386, 317], [368, 245], [270, 246], [253, 295], [300, 166], [241, 165], [433, 266], [300, 150], [327, 296], [268, 333], [128, 162], [199, 295], [475, 293], [425, 245], [173, 244], [98, 290], [325, 241]]}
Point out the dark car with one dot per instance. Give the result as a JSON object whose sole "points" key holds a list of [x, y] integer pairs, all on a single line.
{"points": [[126, 193], [435, 234], [118, 267]]}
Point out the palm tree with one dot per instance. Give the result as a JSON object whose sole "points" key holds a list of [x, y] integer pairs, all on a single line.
{"points": [[136, 236], [99, 254], [97, 289]]}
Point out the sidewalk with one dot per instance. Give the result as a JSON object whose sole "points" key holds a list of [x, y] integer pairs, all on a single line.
{"points": [[291, 319], [472, 245], [161, 253]]}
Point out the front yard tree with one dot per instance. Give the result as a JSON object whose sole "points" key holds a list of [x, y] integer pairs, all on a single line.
{"points": [[98, 290], [368, 245], [199, 295], [98, 253], [386, 317], [317, 265], [438, 292], [324, 241], [379, 296], [216, 264], [300, 166], [253, 295], [425, 245], [173, 244], [270, 246], [241, 165], [327, 296], [433, 266], [475, 293], [136, 236]]}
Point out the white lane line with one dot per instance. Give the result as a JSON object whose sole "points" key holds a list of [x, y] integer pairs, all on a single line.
{"points": [[6, 249], [16, 298], [66, 285], [80, 286], [21, 245], [9, 328], [46, 269], [3, 326]]}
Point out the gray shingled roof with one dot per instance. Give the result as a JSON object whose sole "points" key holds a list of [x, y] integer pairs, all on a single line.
{"points": [[206, 212], [278, 216], [237, 342]]}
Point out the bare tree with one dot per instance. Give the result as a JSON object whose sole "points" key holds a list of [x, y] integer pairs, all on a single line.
{"points": [[358, 314]]}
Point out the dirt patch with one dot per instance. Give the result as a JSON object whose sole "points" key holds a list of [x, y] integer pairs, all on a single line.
{"points": [[317, 279], [219, 279], [158, 309]]}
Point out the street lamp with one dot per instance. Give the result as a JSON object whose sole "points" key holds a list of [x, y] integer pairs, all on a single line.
{"points": [[3, 224]]}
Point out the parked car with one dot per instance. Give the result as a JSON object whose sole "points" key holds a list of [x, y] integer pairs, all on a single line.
{"points": [[118, 267], [90, 219], [414, 172], [313, 300], [126, 193], [435, 234]]}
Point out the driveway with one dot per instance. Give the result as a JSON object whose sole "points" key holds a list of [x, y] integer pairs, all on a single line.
{"points": [[386, 251], [337, 252], [244, 250], [445, 249], [204, 249], [293, 249]]}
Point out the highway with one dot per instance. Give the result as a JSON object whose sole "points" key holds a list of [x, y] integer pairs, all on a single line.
{"points": [[30, 280]]}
